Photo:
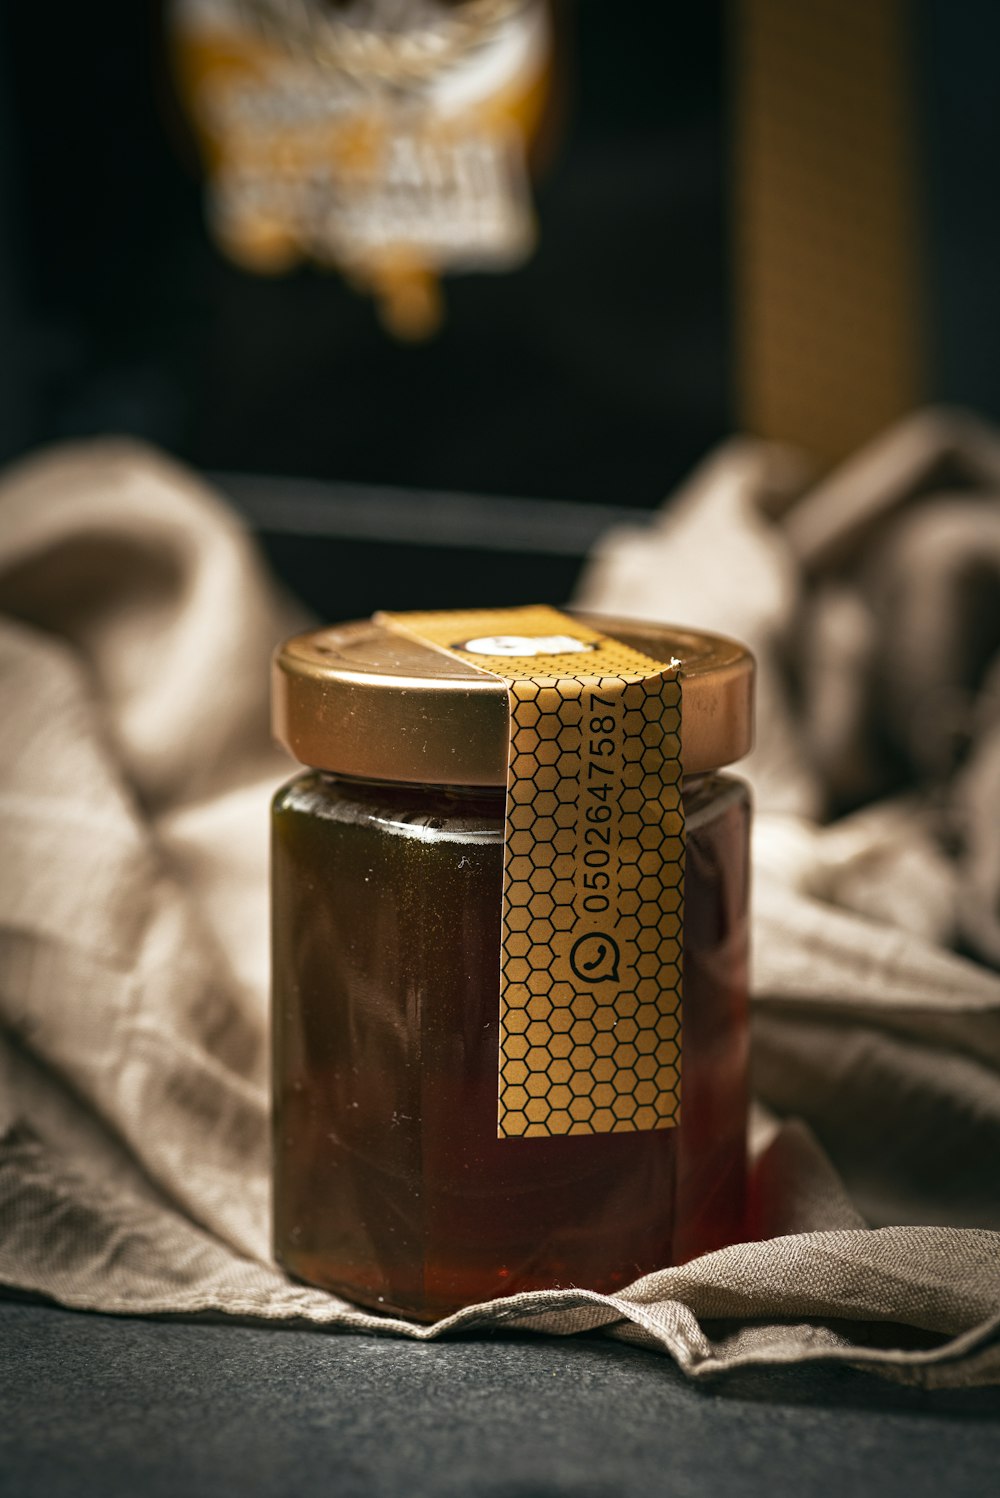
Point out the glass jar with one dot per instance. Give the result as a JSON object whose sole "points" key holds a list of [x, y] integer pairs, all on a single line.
{"points": [[391, 1186]]}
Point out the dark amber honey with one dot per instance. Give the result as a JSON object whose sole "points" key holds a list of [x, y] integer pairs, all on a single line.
{"points": [[390, 1184]]}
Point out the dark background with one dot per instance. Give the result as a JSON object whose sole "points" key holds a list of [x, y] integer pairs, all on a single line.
{"points": [[109, 1407], [591, 380], [596, 372]]}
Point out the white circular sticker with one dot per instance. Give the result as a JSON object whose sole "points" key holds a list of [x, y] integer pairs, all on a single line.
{"points": [[524, 645]]}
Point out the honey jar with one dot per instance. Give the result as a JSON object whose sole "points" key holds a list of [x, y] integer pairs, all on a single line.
{"points": [[466, 1105]]}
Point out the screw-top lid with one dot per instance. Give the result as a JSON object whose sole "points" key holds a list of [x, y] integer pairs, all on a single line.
{"points": [[366, 700]]}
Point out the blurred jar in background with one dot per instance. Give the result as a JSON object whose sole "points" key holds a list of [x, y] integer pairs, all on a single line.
{"points": [[390, 139]]}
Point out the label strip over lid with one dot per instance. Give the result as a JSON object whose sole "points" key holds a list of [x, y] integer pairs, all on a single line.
{"points": [[592, 918]]}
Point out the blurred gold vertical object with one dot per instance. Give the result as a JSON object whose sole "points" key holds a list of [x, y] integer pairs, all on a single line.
{"points": [[827, 242]]}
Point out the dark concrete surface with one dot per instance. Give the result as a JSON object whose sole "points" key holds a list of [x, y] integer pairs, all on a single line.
{"points": [[112, 1406]]}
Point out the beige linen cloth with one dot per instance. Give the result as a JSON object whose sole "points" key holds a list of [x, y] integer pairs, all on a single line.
{"points": [[135, 771]]}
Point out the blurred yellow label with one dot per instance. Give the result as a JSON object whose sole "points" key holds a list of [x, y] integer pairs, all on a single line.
{"points": [[353, 147], [592, 917]]}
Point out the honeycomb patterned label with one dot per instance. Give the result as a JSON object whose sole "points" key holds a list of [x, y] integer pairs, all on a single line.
{"points": [[591, 939]]}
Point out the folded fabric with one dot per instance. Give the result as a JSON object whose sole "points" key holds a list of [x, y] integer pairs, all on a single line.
{"points": [[136, 623]]}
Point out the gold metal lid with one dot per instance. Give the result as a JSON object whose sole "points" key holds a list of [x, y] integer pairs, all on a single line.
{"points": [[365, 700]]}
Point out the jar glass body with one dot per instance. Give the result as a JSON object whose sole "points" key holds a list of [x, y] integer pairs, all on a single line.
{"points": [[390, 1184]]}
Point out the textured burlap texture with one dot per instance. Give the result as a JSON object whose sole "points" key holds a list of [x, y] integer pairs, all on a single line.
{"points": [[135, 772]]}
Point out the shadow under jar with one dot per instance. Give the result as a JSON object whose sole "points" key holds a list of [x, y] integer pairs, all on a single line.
{"points": [[391, 1186]]}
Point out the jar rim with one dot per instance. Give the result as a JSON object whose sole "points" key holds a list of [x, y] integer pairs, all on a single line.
{"points": [[365, 700]]}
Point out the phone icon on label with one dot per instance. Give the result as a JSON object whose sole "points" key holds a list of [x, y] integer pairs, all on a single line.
{"points": [[594, 958]]}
